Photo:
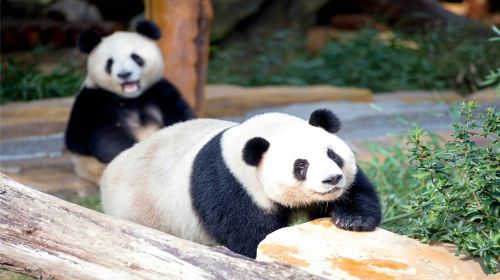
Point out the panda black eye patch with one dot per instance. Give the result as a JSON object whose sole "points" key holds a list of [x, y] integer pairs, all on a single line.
{"points": [[300, 167], [109, 64], [336, 158], [137, 59]]}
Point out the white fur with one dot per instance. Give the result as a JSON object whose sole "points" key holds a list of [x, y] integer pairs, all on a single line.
{"points": [[119, 46], [142, 131], [150, 183], [290, 138]]}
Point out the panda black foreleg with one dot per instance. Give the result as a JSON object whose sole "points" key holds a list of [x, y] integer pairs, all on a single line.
{"points": [[174, 108], [108, 142], [359, 208]]}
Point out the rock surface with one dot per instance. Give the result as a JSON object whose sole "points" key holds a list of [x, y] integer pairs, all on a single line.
{"points": [[322, 249], [230, 100]]}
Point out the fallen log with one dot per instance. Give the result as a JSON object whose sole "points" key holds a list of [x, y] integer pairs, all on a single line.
{"points": [[48, 238]]}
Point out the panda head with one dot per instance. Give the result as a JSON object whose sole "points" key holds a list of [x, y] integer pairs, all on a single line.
{"points": [[299, 162], [125, 63]]}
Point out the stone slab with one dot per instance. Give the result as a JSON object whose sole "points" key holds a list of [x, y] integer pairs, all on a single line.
{"points": [[320, 248], [229, 100]]}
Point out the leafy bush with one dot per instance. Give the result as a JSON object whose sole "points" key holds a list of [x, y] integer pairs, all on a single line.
{"points": [[459, 201], [494, 76], [370, 59], [21, 80], [445, 192]]}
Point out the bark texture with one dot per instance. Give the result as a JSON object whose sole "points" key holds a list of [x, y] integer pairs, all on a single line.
{"points": [[184, 44], [48, 238]]}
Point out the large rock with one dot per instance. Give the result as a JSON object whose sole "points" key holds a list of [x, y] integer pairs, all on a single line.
{"points": [[322, 249], [228, 13], [244, 21]]}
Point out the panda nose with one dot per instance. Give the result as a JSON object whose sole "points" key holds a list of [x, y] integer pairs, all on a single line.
{"points": [[124, 75], [333, 180]]}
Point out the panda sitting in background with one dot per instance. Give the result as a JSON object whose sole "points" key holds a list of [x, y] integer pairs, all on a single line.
{"points": [[123, 100], [220, 182]]}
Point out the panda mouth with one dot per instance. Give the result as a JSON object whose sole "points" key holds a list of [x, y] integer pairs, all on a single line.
{"points": [[333, 190], [129, 87]]}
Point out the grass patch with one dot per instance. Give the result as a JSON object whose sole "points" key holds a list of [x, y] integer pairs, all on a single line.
{"points": [[91, 202], [370, 60], [22, 81]]}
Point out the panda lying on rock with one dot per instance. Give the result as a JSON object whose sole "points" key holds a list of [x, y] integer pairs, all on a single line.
{"points": [[123, 100], [220, 182]]}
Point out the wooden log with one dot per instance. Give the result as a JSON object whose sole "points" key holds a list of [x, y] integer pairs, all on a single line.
{"points": [[184, 44], [48, 238]]}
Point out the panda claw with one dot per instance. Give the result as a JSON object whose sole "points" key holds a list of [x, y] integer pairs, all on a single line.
{"points": [[356, 223]]}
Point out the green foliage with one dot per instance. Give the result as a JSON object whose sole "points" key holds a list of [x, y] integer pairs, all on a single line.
{"points": [[21, 80], [494, 76], [8, 275], [459, 201], [91, 202], [394, 180], [371, 60], [445, 192]]}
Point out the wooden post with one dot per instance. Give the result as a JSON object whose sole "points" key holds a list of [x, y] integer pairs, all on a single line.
{"points": [[184, 44]]}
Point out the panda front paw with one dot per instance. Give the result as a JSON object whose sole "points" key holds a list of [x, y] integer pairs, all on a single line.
{"points": [[356, 222]]}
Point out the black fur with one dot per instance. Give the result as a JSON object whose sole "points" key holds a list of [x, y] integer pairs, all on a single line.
{"points": [[300, 167], [254, 150], [97, 125], [148, 29], [325, 119], [231, 217], [138, 59], [88, 40], [359, 208], [336, 158], [226, 210], [109, 65]]}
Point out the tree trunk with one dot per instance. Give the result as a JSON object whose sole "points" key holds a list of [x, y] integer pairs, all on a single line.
{"points": [[184, 44], [48, 238]]}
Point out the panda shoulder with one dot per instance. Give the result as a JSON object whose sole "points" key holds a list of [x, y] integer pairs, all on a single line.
{"points": [[164, 89]]}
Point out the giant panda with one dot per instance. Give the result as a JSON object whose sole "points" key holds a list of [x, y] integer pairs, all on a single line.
{"points": [[220, 182], [124, 97]]}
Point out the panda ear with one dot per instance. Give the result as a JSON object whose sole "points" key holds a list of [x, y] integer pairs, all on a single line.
{"points": [[325, 119], [88, 40], [254, 150], [148, 29]]}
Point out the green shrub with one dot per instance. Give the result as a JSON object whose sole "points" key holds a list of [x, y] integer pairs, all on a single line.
{"points": [[459, 198], [445, 192], [22, 81], [370, 60], [494, 76]]}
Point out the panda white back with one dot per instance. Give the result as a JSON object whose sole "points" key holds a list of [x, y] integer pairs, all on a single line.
{"points": [[147, 183]]}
